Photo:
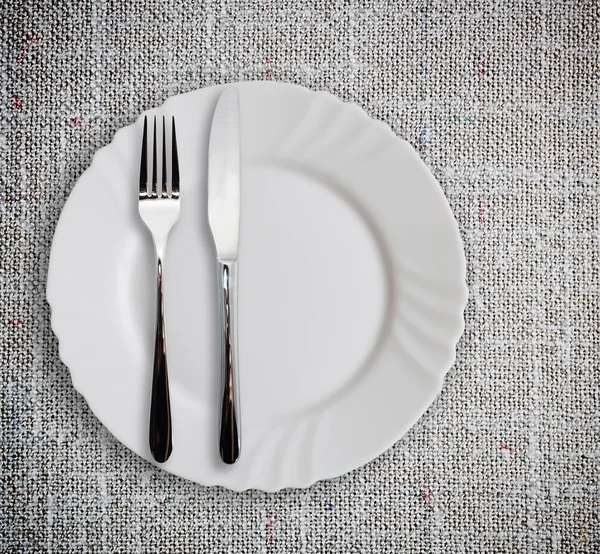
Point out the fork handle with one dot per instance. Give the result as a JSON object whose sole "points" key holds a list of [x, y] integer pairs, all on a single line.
{"points": [[229, 439], [161, 442]]}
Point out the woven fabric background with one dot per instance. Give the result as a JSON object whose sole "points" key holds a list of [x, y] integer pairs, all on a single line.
{"points": [[501, 100]]}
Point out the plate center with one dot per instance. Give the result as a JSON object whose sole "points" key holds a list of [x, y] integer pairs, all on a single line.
{"points": [[312, 290]]}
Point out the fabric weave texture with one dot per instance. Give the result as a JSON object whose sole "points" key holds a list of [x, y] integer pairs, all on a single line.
{"points": [[501, 101]]}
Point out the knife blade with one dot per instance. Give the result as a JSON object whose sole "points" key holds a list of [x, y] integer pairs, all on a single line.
{"points": [[224, 222], [224, 175]]}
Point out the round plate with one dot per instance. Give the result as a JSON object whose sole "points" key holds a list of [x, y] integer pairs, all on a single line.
{"points": [[351, 290]]}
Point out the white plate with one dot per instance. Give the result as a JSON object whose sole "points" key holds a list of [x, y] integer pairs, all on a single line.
{"points": [[351, 290]]}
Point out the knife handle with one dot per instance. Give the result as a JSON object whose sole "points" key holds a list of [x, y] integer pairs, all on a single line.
{"points": [[229, 437]]}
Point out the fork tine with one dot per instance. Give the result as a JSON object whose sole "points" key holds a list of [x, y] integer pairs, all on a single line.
{"points": [[154, 176], [165, 193], [174, 165], [144, 162]]}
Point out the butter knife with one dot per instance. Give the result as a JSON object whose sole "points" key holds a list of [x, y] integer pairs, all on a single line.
{"points": [[224, 221]]}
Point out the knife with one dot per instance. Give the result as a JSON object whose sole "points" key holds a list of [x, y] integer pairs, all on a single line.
{"points": [[224, 221]]}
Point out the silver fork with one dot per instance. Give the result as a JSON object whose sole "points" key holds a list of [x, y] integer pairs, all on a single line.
{"points": [[159, 212]]}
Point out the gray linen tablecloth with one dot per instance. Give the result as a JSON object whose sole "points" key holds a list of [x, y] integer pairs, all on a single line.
{"points": [[501, 101]]}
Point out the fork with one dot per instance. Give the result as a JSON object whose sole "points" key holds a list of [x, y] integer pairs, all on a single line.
{"points": [[159, 212]]}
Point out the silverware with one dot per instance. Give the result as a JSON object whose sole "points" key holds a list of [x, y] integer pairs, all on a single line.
{"points": [[160, 212], [224, 220]]}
